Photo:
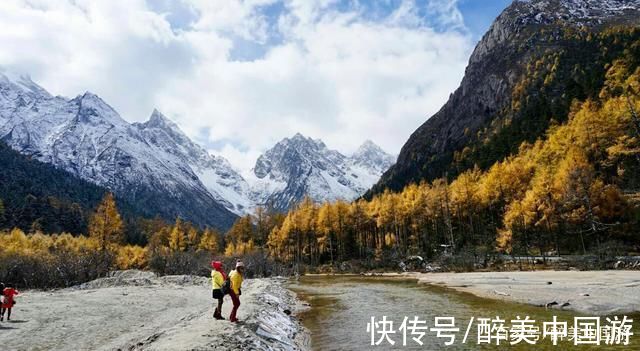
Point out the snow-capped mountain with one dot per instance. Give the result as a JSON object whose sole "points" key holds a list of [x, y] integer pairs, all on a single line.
{"points": [[218, 176], [150, 164], [580, 12], [299, 166], [371, 158], [525, 13], [156, 166]]}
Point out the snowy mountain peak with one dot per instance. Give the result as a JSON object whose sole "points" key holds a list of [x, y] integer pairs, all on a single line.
{"points": [[88, 138], [368, 147], [156, 164], [159, 120], [368, 144], [298, 151], [298, 136], [583, 12], [217, 175], [301, 142], [160, 127], [92, 109], [91, 97], [301, 166], [23, 82], [581, 7], [371, 156], [574, 13]]}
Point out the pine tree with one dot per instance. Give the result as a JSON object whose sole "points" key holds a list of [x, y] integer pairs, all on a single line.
{"points": [[241, 231], [177, 237], [210, 241], [262, 225], [106, 225], [193, 237], [325, 229]]}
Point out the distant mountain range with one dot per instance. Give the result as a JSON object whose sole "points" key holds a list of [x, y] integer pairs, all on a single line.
{"points": [[154, 165]]}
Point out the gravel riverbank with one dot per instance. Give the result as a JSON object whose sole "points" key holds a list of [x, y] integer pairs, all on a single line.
{"points": [[134, 310], [589, 292]]}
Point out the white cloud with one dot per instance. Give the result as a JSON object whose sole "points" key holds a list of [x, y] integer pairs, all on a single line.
{"points": [[327, 70]]}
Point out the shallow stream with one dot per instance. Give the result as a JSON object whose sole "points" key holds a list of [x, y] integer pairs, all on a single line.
{"points": [[342, 306]]}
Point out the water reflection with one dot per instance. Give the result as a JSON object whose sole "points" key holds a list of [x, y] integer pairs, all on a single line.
{"points": [[342, 306]]}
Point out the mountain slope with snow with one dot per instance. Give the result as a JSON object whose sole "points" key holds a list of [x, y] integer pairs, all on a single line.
{"points": [[299, 166], [88, 138], [216, 174], [156, 166]]}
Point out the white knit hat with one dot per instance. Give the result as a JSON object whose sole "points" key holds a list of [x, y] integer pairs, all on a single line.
{"points": [[239, 264]]}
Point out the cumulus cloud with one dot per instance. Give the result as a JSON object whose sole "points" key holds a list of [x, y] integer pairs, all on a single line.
{"points": [[340, 70]]}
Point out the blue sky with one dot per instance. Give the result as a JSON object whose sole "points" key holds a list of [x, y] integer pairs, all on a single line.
{"points": [[239, 75], [477, 17], [479, 14]]}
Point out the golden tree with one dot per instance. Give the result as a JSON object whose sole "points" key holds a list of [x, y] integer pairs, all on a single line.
{"points": [[241, 233], [177, 237], [106, 225], [324, 227], [210, 241]]}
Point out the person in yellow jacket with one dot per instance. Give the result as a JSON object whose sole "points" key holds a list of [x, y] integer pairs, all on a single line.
{"points": [[236, 277], [217, 280]]}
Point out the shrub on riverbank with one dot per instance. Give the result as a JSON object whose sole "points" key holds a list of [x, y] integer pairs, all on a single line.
{"points": [[61, 260], [48, 261]]}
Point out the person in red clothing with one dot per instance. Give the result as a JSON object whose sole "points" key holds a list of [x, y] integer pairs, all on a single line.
{"points": [[1, 298], [236, 277], [8, 301]]}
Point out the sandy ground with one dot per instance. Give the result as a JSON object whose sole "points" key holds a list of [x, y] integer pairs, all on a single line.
{"points": [[589, 292], [138, 311]]}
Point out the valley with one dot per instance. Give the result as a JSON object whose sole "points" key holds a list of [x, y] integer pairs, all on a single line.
{"points": [[519, 197], [154, 165]]}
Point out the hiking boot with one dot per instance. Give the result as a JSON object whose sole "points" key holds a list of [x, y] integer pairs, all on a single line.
{"points": [[217, 315]]}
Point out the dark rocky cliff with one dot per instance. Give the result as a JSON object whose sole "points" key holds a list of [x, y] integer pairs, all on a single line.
{"points": [[535, 59]]}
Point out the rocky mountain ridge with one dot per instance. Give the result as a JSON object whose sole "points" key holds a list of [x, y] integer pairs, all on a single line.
{"points": [[88, 138], [502, 99], [299, 166], [154, 164]]}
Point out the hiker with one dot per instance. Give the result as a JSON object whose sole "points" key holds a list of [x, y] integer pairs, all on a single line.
{"points": [[217, 280], [7, 293], [236, 277]]}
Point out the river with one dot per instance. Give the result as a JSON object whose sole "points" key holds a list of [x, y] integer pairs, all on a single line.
{"points": [[342, 306]]}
